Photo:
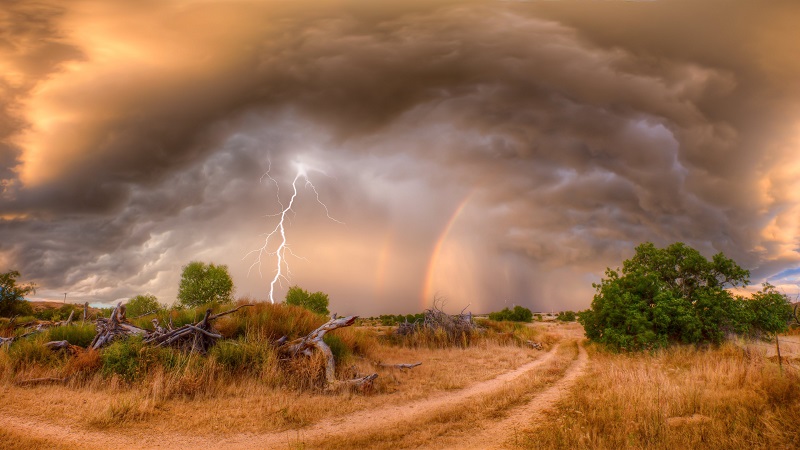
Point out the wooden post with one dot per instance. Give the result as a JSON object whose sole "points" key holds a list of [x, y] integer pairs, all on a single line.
{"points": [[85, 310], [778, 348]]}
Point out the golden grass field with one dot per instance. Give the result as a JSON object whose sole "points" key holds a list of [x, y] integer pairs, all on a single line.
{"points": [[492, 394]]}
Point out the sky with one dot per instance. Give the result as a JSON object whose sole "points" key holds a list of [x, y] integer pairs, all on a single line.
{"points": [[488, 153]]}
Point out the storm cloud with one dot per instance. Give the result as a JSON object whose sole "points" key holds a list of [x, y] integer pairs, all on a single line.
{"points": [[488, 152]]}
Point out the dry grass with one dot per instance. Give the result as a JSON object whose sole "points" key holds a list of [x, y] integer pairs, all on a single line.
{"points": [[201, 398], [677, 398], [451, 426], [12, 440]]}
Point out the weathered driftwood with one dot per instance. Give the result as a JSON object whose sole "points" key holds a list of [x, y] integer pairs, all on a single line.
{"points": [[400, 366], [197, 338], [313, 341], [9, 340], [113, 328]]}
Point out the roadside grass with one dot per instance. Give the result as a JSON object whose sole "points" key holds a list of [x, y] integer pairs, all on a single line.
{"points": [[242, 383], [677, 398]]}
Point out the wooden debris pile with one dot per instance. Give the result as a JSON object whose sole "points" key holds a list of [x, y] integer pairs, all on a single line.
{"points": [[196, 338], [435, 320], [114, 327]]}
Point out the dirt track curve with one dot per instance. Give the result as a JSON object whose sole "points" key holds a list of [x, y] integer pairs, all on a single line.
{"points": [[358, 422]]}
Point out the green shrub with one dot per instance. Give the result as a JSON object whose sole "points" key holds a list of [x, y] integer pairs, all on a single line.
{"points": [[242, 356], [566, 316], [339, 349], [80, 334], [316, 301], [518, 314], [31, 351], [122, 358]]}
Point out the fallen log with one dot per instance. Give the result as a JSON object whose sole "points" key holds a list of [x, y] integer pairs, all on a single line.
{"points": [[400, 366], [313, 341]]}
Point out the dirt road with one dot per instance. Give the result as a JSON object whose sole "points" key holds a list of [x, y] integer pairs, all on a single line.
{"points": [[362, 421]]}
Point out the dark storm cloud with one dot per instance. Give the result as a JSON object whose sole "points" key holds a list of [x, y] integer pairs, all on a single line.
{"points": [[580, 131]]}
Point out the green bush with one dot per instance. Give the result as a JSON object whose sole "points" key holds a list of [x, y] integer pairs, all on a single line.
{"points": [[518, 314], [80, 334], [316, 302], [339, 349], [566, 316], [122, 358], [31, 351], [242, 356]]}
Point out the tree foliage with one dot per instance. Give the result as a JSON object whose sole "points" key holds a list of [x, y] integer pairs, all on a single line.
{"points": [[142, 304], [316, 302], [518, 314], [667, 295], [203, 283], [12, 295], [768, 311]]}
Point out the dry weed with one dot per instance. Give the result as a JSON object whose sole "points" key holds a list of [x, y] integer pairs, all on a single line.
{"points": [[737, 400]]}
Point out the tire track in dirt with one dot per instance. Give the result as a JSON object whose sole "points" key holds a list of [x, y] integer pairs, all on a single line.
{"points": [[497, 434], [357, 422]]}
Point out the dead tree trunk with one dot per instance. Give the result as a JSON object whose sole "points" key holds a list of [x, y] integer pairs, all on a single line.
{"points": [[114, 327], [313, 340]]}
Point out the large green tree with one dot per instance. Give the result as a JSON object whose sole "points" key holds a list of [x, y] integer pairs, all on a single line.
{"points": [[203, 283], [666, 295], [12, 295], [316, 301]]}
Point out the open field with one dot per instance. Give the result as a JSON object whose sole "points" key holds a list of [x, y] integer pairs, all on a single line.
{"points": [[490, 395]]}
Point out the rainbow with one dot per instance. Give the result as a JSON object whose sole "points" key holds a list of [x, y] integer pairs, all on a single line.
{"points": [[427, 287]]}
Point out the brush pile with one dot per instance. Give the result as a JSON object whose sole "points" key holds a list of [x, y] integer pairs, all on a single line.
{"points": [[114, 327], [197, 338]]}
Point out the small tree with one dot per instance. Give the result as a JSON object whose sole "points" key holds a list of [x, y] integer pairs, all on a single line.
{"points": [[316, 302], [769, 311], [205, 283], [12, 296], [142, 304]]}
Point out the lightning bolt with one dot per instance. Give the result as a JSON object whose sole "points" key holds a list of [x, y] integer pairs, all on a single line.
{"points": [[282, 271]]}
